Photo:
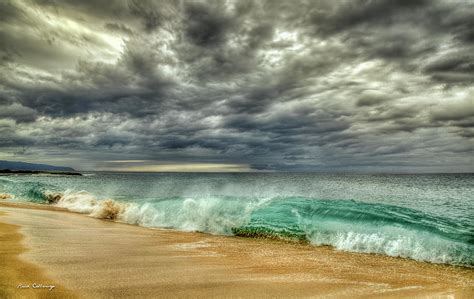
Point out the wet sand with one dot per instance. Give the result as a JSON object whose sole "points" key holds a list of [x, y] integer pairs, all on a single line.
{"points": [[21, 279], [93, 258]]}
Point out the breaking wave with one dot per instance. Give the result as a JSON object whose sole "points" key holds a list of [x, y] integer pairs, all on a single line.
{"points": [[343, 224]]}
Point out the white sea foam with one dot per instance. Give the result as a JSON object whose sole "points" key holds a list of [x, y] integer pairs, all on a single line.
{"points": [[419, 248], [212, 215], [393, 240], [86, 203]]}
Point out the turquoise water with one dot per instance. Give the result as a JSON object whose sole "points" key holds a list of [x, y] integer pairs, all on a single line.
{"points": [[423, 217]]}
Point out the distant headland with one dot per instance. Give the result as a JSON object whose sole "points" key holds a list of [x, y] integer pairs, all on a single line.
{"points": [[16, 167]]}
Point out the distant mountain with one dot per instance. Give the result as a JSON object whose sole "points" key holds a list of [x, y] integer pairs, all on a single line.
{"points": [[14, 165]]}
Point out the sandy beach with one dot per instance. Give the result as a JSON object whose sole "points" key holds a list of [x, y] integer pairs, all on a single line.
{"points": [[90, 258]]}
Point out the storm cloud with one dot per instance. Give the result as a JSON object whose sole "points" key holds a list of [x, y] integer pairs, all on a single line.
{"points": [[267, 85]]}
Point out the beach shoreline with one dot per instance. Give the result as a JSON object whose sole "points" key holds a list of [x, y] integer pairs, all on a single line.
{"points": [[94, 258], [19, 278]]}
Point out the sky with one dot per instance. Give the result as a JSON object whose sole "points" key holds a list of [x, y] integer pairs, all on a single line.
{"points": [[131, 85]]}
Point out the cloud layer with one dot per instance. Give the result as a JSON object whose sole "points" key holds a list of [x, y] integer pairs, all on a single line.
{"points": [[268, 85]]}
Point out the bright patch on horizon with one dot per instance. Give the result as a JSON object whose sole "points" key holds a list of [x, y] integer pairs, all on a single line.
{"points": [[126, 161], [189, 167]]}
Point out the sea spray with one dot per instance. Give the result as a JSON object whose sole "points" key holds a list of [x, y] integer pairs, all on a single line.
{"points": [[84, 202], [211, 215]]}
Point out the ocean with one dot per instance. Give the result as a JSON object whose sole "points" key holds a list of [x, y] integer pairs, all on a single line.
{"points": [[425, 217]]}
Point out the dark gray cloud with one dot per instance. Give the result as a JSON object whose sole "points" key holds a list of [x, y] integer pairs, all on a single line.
{"points": [[277, 85], [206, 26]]}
